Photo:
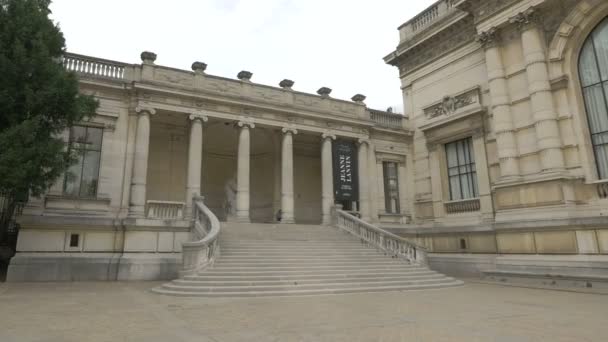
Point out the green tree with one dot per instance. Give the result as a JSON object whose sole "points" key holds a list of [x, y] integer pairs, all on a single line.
{"points": [[39, 99]]}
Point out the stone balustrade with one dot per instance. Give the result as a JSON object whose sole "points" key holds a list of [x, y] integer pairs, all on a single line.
{"points": [[165, 210], [463, 206], [425, 19], [376, 237], [205, 248], [95, 67], [386, 119], [92, 67]]}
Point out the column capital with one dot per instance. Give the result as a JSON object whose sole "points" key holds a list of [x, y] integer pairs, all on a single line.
{"points": [[198, 116], [489, 38], [328, 135], [291, 130], [247, 124], [526, 20], [145, 110], [364, 141]]}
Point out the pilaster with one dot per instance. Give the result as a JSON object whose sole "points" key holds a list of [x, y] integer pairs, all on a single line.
{"points": [[544, 113], [508, 153]]}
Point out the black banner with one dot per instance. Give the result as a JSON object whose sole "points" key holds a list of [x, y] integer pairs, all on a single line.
{"points": [[346, 175]]}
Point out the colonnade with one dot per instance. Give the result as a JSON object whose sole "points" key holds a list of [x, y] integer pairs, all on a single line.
{"points": [[195, 151]]}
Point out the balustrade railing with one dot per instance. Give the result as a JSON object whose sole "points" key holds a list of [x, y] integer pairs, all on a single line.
{"points": [[165, 210], [379, 238], [425, 19], [602, 190], [204, 249], [94, 66], [464, 206], [387, 120]]}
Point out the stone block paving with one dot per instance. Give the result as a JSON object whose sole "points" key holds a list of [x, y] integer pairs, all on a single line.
{"points": [[130, 312]]}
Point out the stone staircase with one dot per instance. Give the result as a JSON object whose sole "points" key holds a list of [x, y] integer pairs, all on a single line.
{"points": [[286, 260]]}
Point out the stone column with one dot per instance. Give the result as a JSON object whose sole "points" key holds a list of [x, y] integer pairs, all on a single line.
{"points": [[140, 162], [506, 141], [364, 206], [243, 175], [541, 97], [195, 155], [327, 180], [373, 183], [287, 201]]}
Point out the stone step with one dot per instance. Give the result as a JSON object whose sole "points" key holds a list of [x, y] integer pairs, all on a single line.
{"points": [[217, 275], [309, 273], [293, 286], [299, 253], [310, 292], [548, 280], [285, 260], [262, 259], [376, 266], [338, 259], [240, 281]]}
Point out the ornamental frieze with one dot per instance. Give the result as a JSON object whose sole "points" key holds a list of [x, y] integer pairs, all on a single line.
{"points": [[450, 104]]}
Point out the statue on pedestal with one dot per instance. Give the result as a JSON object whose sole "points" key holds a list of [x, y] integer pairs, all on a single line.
{"points": [[230, 193]]}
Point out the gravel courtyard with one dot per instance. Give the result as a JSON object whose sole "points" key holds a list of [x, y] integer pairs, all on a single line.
{"points": [[129, 312]]}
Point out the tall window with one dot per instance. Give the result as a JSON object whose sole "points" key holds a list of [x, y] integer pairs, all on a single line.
{"points": [[391, 187], [593, 69], [461, 170], [82, 177]]}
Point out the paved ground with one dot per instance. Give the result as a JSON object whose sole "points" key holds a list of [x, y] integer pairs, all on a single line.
{"points": [[129, 312]]}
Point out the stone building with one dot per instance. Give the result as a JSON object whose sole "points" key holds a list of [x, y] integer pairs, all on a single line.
{"points": [[500, 163], [161, 136], [507, 102]]}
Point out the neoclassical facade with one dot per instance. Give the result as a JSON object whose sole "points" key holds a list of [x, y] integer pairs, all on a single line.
{"points": [[499, 164], [162, 136], [508, 105]]}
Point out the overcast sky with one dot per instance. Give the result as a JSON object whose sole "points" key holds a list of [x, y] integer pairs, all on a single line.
{"points": [[335, 43]]}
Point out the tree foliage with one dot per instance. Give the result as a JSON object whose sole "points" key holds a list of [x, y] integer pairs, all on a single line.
{"points": [[39, 99]]}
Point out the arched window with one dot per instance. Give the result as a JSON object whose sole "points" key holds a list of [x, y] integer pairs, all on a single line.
{"points": [[593, 70]]}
